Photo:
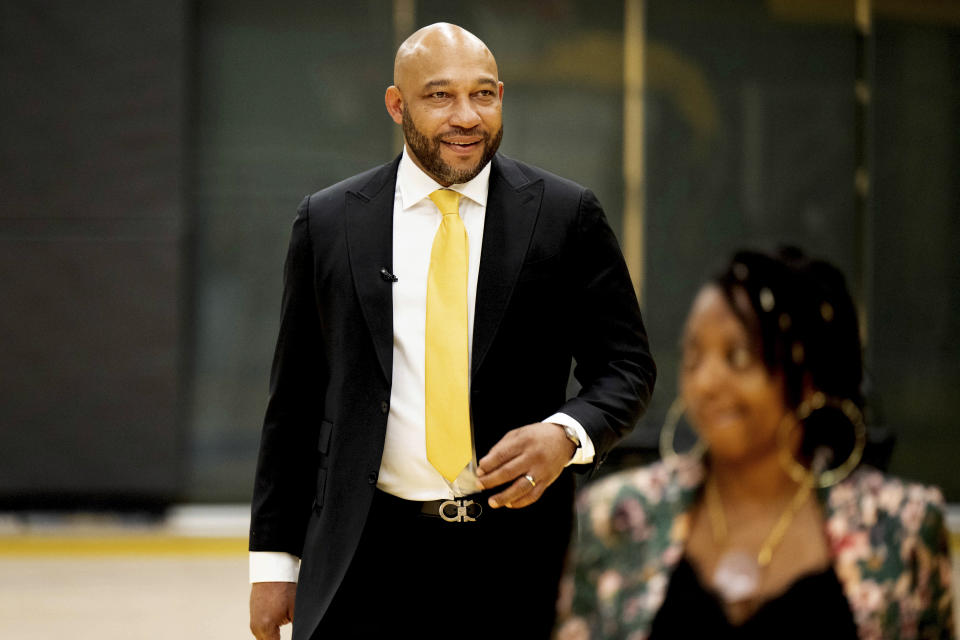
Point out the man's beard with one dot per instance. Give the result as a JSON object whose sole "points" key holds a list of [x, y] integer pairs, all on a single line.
{"points": [[427, 151]]}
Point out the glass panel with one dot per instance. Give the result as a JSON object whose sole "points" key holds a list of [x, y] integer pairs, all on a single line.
{"points": [[289, 100], [750, 142], [914, 354]]}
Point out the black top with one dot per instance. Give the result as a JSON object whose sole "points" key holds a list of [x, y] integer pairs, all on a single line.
{"points": [[812, 607]]}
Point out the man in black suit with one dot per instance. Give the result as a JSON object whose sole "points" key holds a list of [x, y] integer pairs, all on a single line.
{"points": [[417, 434]]}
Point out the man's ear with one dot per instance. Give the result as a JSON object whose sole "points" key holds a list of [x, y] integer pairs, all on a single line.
{"points": [[394, 102]]}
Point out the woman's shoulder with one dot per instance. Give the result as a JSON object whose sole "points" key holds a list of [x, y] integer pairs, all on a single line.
{"points": [[639, 498], [886, 534], [876, 491], [891, 507], [651, 484]]}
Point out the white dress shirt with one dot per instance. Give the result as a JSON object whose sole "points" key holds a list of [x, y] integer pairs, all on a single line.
{"points": [[404, 469]]}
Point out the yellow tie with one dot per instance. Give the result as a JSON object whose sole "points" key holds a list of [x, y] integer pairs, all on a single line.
{"points": [[449, 447]]}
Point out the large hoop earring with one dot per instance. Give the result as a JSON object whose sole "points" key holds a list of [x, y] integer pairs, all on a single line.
{"points": [[806, 408], [669, 431]]}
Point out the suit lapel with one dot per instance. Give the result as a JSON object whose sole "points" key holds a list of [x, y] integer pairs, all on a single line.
{"points": [[369, 224], [513, 203]]}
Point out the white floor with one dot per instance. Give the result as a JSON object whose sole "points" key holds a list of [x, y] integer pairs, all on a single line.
{"points": [[155, 594], [146, 596], [135, 598]]}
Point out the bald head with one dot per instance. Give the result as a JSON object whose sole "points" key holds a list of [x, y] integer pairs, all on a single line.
{"points": [[435, 45], [447, 95]]}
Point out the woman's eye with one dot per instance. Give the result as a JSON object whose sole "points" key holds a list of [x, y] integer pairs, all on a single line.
{"points": [[740, 358], [690, 359]]}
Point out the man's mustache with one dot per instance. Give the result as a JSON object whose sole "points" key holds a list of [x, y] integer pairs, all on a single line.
{"points": [[460, 131]]}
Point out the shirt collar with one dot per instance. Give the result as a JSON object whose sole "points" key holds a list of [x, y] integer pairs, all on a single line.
{"points": [[415, 185]]}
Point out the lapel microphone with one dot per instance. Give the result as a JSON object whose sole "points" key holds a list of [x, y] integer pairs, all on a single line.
{"points": [[387, 276]]}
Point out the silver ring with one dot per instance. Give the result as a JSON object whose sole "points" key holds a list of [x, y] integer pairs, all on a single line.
{"points": [[533, 483]]}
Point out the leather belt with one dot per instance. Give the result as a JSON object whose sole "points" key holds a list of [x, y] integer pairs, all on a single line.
{"points": [[453, 509], [465, 509]]}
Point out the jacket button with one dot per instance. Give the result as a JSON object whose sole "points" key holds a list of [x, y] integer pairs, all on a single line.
{"points": [[372, 477], [384, 407]]}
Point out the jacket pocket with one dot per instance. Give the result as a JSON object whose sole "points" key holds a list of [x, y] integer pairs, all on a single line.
{"points": [[323, 440], [321, 487]]}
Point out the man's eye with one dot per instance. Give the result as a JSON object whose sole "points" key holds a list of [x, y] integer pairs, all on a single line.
{"points": [[440, 94]]}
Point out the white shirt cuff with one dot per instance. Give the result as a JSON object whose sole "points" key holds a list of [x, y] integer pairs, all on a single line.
{"points": [[273, 566], [583, 455]]}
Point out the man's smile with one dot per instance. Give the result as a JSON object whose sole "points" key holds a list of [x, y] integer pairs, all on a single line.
{"points": [[463, 145]]}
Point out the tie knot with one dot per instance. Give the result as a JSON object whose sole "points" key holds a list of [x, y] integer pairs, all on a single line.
{"points": [[446, 200]]}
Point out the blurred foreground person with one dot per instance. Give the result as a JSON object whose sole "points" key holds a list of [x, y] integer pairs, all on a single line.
{"points": [[416, 442], [767, 528]]}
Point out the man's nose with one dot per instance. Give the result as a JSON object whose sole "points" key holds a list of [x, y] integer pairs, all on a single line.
{"points": [[464, 114]]}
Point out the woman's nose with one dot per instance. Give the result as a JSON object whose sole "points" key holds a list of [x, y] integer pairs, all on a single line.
{"points": [[706, 377]]}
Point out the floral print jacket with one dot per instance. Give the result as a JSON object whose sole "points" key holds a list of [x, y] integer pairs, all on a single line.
{"points": [[887, 537]]}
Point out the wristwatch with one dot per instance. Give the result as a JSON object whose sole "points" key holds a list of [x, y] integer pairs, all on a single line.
{"points": [[571, 434]]}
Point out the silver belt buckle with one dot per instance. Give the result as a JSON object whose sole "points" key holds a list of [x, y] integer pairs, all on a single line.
{"points": [[461, 506]]}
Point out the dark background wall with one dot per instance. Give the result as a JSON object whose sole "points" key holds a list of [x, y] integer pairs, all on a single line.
{"points": [[153, 155], [91, 250], [914, 355]]}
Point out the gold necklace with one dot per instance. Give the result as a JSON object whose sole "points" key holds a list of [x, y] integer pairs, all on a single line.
{"points": [[737, 574]]}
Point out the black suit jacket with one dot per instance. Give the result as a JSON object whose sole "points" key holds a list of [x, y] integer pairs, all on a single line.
{"points": [[552, 287]]}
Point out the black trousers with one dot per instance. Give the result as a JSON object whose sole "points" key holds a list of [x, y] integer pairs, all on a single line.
{"points": [[419, 576]]}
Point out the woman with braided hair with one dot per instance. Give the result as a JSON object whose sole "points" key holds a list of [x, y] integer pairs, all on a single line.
{"points": [[770, 527]]}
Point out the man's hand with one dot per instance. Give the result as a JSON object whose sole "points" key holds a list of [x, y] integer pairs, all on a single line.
{"points": [[539, 450], [271, 607]]}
